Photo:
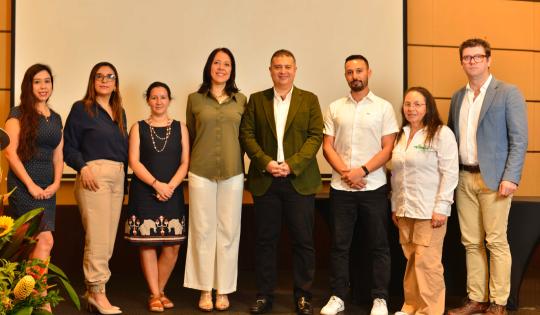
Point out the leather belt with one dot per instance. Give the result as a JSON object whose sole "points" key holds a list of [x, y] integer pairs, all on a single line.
{"points": [[469, 168]]}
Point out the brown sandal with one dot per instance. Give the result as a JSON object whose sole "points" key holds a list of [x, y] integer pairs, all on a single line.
{"points": [[167, 303], [154, 304], [205, 301], [222, 302]]}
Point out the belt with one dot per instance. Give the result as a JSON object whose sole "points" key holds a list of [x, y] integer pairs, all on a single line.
{"points": [[469, 168]]}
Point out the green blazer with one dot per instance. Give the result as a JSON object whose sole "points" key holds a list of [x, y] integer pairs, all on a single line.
{"points": [[301, 140]]}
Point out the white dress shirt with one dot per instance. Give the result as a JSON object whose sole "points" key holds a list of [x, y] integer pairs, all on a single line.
{"points": [[424, 176], [357, 128], [468, 123], [281, 110]]}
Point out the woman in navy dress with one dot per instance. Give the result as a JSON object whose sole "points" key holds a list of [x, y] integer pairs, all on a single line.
{"points": [[35, 156], [159, 158]]}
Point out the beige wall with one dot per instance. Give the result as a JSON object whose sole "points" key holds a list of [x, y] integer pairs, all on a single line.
{"points": [[512, 27], [513, 30]]}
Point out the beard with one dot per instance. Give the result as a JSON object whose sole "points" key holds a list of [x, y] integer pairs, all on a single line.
{"points": [[358, 85]]}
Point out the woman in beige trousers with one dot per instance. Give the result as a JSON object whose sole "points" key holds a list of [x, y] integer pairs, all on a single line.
{"points": [[96, 146]]}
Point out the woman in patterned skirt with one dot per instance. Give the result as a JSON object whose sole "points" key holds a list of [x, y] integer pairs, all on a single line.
{"points": [[35, 156], [159, 157]]}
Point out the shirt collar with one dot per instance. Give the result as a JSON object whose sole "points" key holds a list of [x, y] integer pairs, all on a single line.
{"points": [[287, 97], [208, 94], [369, 97], [484, 86]]}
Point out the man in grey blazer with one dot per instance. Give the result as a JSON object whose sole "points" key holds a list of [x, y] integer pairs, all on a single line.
{"points": [[489, 120]]}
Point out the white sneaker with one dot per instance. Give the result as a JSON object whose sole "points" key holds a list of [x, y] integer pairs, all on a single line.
{"points": [[379, 307], [334, 306]]}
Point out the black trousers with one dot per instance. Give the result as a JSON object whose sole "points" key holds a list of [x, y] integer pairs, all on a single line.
{"points": [[281, 201], [371, 207]]}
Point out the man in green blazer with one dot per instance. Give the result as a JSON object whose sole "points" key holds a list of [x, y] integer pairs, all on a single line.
{"points": [[281, 132]]}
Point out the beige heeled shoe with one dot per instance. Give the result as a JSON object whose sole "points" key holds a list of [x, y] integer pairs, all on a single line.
{"points": [[222, 302], [205, 301], [94, 306]]}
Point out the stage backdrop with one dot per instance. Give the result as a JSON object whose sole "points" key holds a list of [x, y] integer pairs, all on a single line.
{"points": [[169, 41]]}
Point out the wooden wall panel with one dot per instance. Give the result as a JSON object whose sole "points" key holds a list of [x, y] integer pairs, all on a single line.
{"points": [[5, 15], [536, 75], [531, 173], [533, 117], [448, 75], [505, 24], [5, 59], [516, 67], [443, 106], [536, 26], [420, 72], [420, 21]]}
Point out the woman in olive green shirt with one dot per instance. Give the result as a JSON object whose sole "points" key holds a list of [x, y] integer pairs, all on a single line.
{"points": [[216, 182]]}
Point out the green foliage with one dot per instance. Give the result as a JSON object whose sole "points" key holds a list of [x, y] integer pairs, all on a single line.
{"points": [[14, 248]]}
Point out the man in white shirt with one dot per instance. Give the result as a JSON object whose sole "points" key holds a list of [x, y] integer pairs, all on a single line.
{"points": [[281, 132], [489, 120], [359, 134]]}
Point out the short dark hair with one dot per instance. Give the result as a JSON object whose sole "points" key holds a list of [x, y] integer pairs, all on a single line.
{"points": [[156, 85], [474, 42], [230, 85], [357, 57], [282, 52]]}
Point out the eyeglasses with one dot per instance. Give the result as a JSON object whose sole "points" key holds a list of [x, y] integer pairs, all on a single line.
{"points": [[476, 58], [105, 78], [413, 105]]}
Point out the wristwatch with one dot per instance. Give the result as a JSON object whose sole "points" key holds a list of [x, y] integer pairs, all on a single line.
{"points": [[365, 169]]}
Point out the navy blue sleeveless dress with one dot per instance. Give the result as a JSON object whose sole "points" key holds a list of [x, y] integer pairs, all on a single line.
{"points": [[152, 222], [40, 168]]}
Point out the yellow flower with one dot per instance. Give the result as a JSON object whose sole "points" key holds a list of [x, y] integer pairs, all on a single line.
{"points": [[24, 287], [6, 224], [7, 303]]}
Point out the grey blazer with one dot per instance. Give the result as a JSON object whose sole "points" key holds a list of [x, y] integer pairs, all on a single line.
{"points": [[502, 132]]}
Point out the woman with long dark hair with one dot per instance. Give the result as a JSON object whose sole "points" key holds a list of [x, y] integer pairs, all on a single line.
{"points": [[216, 181], [159, 158], [35, 156], [424, 176], [96, 146]]}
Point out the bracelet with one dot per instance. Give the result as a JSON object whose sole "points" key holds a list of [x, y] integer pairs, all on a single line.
{"points": [[155, 180], [366, 171]]}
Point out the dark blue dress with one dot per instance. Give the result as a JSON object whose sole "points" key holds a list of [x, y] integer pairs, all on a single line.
{"points": [[40, 168], [152, 222]]}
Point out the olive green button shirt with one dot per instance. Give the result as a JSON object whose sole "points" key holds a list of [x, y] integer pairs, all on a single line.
{"points": [[213, 133]]}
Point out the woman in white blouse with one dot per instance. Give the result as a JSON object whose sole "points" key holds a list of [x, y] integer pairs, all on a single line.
{"points": [[424, 175]]}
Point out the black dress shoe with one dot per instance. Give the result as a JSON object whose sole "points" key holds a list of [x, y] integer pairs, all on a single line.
{"points": [[303, 306], [261, 306]]}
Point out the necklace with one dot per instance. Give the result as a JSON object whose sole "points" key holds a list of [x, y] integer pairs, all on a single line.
{"points": [[164, 139], [221, 97], [44, 113]]}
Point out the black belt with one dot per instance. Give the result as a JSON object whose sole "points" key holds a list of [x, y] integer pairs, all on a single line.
{"points": [[469, 168]]}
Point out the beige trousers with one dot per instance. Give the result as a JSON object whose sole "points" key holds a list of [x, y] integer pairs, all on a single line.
{"points": [[215, 212], [483, 219], [423, 282], [100, 213]]}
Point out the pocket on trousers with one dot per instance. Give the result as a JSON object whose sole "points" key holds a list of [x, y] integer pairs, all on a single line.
{"points": [[423, 232]]}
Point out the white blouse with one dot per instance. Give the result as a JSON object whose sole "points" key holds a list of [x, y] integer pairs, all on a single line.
{"points": [[424, 176]]}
